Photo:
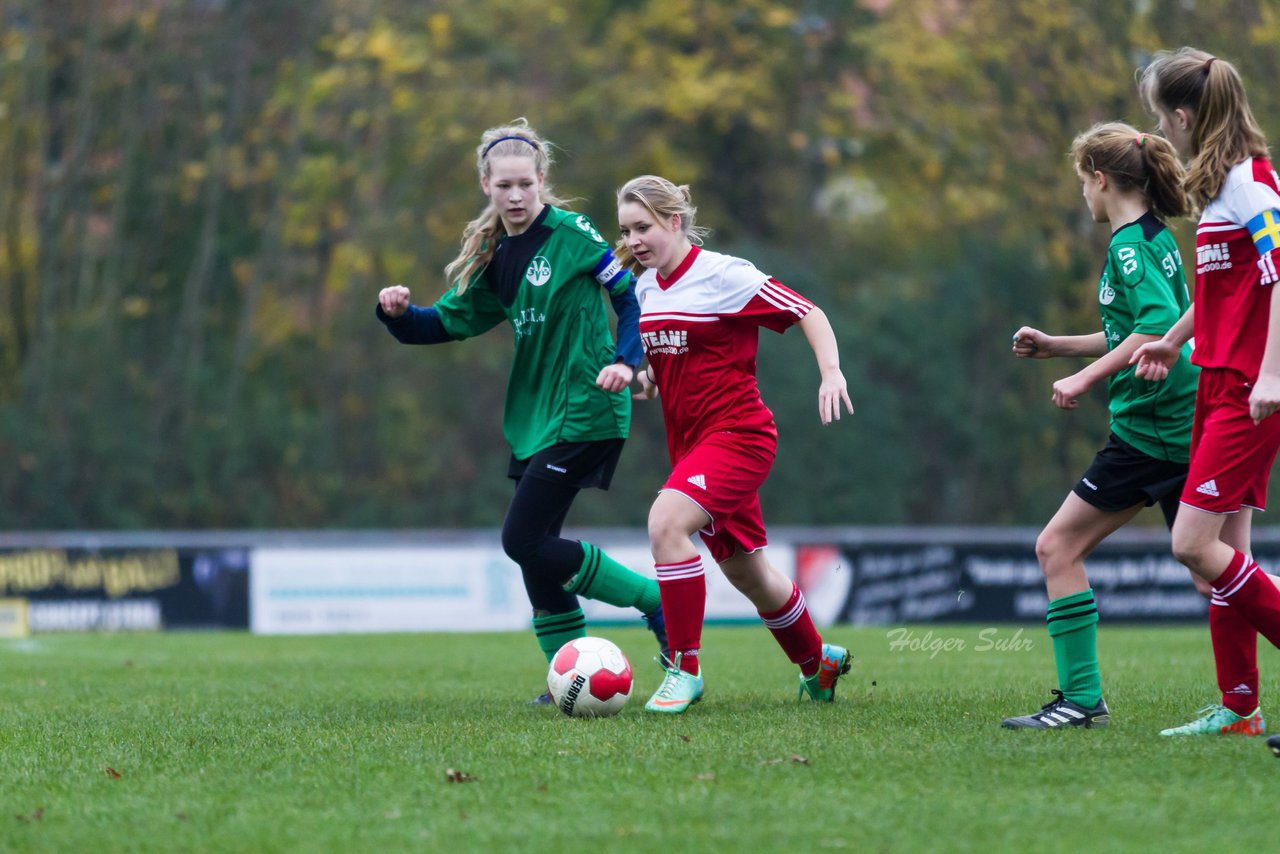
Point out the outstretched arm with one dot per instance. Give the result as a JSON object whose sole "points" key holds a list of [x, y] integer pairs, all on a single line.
{"points": [[1031, 343], [1155, 358], [410, 324], [833, 389], [1067, 390]]}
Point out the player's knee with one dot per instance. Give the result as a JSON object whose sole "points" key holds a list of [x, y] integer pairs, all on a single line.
{"points": [[665, 532], [1054, 552], [1189, 551], [519, 545]]}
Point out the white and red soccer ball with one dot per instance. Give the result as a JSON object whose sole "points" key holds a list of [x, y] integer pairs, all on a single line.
{"points": [[589, 678]]}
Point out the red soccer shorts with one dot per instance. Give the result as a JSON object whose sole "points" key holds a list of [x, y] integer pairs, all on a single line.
{"points": [[1231, 456], [723, 474]]}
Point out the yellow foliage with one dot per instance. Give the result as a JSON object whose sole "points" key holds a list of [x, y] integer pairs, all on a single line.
{"points": [[135, 307]]}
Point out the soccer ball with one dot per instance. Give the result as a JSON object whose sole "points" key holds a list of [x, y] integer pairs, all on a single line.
{"points": [[589, 678]]}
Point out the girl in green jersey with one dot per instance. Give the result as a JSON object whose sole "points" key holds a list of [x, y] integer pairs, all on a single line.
{"points": [[1133, 181], [529, 262]]}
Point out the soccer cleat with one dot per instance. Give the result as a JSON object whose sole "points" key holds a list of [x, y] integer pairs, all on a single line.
{"points": [[1062, 713], [679, 690], [1274, 744], [657, 624], [543, 699], [1216, 719], [821, 686]]}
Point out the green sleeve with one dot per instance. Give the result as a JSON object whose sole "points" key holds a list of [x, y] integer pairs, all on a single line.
{"points": [[472, 312]]}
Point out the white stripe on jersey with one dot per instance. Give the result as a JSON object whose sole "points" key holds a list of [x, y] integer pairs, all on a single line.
{"points": [[1223, 226], [676, 315], [785, 299]]}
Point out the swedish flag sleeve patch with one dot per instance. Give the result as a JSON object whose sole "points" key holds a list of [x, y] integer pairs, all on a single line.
{"points": [[1265, 228]]}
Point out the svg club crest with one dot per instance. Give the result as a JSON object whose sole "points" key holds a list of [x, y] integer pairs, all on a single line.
{"points": [[539, 272], [1106, 293]]}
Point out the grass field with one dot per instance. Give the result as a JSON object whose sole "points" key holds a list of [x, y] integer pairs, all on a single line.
{"points": [[229, 742]]}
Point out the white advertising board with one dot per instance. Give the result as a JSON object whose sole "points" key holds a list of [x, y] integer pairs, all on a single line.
{"points": [[431, 589]]}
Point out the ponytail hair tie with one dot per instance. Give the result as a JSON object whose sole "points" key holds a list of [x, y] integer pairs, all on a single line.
{"points": [[1208, 62], [1139, 139]]}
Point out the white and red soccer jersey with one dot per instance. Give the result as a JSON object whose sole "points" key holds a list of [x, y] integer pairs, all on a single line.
{"points": [[699, 329], [1236, 268]]}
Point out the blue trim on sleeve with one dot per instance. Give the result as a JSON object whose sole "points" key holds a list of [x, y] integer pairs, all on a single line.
{"points": [[609, 272], [418, 325], [628, 310]]}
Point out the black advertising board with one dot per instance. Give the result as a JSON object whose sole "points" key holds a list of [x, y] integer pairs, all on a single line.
{"points": [[973, 582], [128, 589]]}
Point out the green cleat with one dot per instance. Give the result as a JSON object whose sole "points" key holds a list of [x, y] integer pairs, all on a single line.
{"points": [[821, 686], [679, 690], [1219, 720]]}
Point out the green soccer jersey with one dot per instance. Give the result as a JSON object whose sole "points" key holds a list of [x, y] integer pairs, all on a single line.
{"points": [[562, 339], [1143, 289]]}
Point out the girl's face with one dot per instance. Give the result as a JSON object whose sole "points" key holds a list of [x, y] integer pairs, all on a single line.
{"points": [[1093, 184], [514, 185], [657, 245]]}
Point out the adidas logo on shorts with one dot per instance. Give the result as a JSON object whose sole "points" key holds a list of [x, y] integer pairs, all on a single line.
{"points": [[700, 481], [1209, 487]]}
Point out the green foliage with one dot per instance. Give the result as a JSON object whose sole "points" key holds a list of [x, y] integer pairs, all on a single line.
{"points": [[229, 742], [199, 202]]}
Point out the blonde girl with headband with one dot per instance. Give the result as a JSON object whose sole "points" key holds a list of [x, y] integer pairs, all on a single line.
{"points": [[700, 314], [529, 262], [1200, 103], [1133, 182]]}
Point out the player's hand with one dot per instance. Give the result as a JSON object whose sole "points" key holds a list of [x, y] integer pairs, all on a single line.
{"points": [[615, 377], [1029, 343], [1154, 359], [648, 388], [394, 300], [1067, 390], [830, 393], [1264, 400]]}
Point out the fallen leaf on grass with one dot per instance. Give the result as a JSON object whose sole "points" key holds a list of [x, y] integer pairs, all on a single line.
{"points": [[35, 816], [455, 776], [795, 757], [113, 773], [684, 738]]}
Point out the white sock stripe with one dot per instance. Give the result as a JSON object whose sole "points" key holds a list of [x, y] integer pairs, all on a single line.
{"points": [[673, 571], [789, 618], [1249, 570]]}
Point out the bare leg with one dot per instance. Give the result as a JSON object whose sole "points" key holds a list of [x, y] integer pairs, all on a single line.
{"points": [[1073, 532], [758, 580]]}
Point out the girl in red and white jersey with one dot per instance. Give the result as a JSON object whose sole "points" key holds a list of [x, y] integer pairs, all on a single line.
{"points": [[700, 314], [1200, 103]]}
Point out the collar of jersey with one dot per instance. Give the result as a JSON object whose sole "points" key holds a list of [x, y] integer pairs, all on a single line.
{"points": [[680, 270]]}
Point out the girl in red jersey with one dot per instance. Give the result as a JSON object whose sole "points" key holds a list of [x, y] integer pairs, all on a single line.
{"points": [[1201, 106], [700, 313]]}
